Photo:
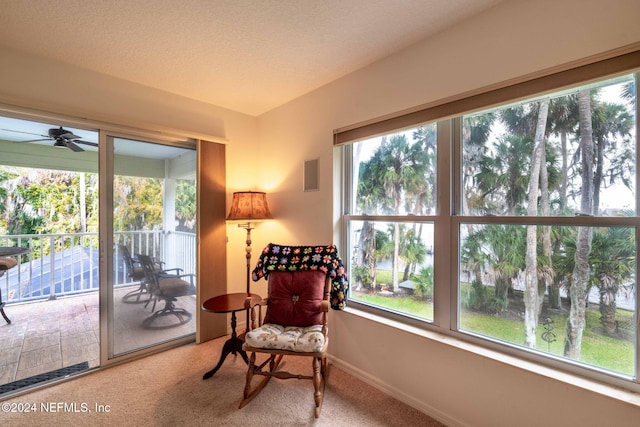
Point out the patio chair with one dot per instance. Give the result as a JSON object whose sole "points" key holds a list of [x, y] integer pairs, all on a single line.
{"points": [[135, 272], [6, 263], [165, 286]]}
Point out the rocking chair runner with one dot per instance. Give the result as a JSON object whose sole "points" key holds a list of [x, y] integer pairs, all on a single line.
{"points": [[295, 324]]}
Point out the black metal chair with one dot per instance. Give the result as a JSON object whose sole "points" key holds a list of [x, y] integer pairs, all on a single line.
{"points": [[163, 285], [6, 263], [135, 273]]}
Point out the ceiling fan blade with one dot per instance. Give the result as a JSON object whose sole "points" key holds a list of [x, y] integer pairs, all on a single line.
{"points": [[35, 140], [73, 146], [92, 144], [19, 131]]}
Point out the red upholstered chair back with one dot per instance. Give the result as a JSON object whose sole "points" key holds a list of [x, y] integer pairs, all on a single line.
{"points": [[295, 298]]}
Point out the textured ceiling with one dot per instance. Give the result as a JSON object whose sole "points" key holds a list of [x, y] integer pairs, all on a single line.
{"points": [[245, 55]]}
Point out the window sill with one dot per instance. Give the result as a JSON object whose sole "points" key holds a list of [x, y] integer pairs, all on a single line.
{"points": [[605, 390]]}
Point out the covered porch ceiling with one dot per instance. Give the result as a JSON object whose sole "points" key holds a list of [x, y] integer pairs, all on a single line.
{"points": [[26, 143]]}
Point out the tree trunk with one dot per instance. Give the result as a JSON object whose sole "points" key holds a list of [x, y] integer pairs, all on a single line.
{"points": [[407, 271], [368, 250], [531, 292], [578, 295], [563, 171], [597, 176], [554, 300], [502, 292], [581, 272], [608, 290], [545, 207], [396, 256]]}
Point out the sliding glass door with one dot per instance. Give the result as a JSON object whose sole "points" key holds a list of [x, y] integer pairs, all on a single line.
{"points": [[153, 217], [80, 209]]}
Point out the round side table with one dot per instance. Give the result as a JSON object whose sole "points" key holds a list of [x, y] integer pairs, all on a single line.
{"points": [[229, 303]]}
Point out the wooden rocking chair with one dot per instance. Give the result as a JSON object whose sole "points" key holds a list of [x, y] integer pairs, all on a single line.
{"points": [[295, 324]]}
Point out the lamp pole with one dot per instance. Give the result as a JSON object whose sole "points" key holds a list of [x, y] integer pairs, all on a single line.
{"points": [[248, 227]]}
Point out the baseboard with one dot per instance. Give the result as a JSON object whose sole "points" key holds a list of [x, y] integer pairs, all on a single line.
{"points": [[397, 394]]}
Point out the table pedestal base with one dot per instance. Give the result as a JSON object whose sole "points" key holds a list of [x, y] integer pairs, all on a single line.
{"points": [[233, 345]]}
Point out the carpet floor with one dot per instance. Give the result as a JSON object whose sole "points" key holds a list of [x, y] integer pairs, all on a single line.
{"points": [[167, 389]]}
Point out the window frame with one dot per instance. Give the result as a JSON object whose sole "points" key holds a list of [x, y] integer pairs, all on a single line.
{"points": [[448, 218]]}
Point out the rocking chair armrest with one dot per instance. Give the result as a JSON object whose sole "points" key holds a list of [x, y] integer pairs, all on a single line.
{"points": [[324, 307], [248, 302], [252, 308]]}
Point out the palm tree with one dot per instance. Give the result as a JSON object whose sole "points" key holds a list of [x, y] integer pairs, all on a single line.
{"points": [[532, 297], [502, 177], [611, 121], [581, 273], [395, 173], [6, 176], [475, 134], [613, 263], [424, 282], [369, 193], [563, 114], [497, 250], [629, 93], [412, 250]]}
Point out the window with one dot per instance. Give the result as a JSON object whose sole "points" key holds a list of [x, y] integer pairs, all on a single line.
{"points": [[520, 236], [391, 234]]}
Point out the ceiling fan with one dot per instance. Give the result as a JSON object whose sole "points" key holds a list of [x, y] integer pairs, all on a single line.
{"points": [[63, 138]]}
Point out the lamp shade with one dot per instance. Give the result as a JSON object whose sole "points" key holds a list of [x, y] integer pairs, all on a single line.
{"points": [[249, 206]]}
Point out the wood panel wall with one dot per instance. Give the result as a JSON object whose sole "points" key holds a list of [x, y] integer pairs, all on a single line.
{"points": [[212, 236]]}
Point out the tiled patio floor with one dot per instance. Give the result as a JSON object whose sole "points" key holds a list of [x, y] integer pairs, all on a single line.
{"points": [[48, 335]]}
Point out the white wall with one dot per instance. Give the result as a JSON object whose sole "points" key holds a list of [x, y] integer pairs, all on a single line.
{"points": [[514, 39]]}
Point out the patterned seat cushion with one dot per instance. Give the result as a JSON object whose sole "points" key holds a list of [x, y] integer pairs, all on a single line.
{"points": [[7, 263], [291, 338], [175, 287]]}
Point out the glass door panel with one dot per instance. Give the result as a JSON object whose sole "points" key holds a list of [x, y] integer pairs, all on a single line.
{"points": [[154, 241], [49, 245]]}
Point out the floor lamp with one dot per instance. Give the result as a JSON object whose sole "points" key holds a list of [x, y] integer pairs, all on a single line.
{"points": [[249, 207]]}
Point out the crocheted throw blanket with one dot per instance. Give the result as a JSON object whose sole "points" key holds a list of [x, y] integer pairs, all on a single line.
{"points": [[293, 258]]}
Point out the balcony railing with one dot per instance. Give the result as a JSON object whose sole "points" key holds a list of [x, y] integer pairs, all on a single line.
{"points": [[68, 264]]}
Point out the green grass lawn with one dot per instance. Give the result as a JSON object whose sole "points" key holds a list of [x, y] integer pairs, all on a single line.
{"points": [[415, 307], [597, 349], [615, 354]]}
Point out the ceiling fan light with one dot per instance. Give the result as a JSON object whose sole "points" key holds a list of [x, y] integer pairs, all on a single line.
{"points": [[60, 144]]}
